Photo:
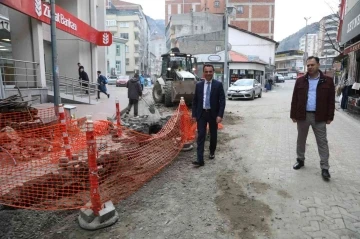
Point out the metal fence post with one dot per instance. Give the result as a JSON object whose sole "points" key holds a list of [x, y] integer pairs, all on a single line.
{"points": [[93, 170], [118, 117]]}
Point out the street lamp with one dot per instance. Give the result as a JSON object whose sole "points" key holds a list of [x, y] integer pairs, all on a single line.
{"points": [[306, 43], [228, 10]]}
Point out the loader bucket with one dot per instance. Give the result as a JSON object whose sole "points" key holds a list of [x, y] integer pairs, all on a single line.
{"points": [[184, 89]]}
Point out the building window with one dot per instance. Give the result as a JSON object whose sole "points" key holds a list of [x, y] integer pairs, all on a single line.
{"points": [[127, 61], [118, 66], [240, 9], [195, 28], [218, 48], [124, 35], [216, 3], [126, 48], [118, 50], [111, 23], [124, 24]]}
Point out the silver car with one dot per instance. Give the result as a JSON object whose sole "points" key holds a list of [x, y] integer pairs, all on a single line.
{"points": [[245, 89]]}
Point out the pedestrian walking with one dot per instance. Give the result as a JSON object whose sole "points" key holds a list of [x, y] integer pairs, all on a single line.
{"points": [[84, 78], [134, 94], [208, 108], [102, 81], [313, 104], [142, 80]]}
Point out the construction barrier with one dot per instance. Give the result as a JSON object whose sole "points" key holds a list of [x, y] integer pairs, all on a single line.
{"points": [[49, 163]]}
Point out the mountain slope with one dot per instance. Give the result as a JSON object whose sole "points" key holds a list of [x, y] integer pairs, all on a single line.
{"points": [[292, 41], [156, 26]]}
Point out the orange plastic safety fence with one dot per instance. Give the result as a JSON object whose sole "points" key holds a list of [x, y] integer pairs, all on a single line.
{"points": [[36, 173]]}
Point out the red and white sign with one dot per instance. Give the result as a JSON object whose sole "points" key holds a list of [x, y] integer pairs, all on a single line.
{"points": [[64, 20], [354, 47]]}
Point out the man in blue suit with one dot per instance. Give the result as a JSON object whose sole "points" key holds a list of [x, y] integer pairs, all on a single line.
{"points": [[208, 108]]}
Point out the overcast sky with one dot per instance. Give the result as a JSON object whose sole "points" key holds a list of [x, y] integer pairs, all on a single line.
{"points": [[289, 14]]}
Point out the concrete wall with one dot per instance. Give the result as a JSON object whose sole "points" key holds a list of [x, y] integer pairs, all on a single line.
{"points": [[248, 44], [202, 44], [190, 24]]}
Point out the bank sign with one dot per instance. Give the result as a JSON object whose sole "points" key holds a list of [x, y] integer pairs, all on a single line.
{"points": [[64, 20], [351, 24]]}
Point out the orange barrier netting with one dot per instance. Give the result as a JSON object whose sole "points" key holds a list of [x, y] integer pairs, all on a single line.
{"points": [[38, 171]]}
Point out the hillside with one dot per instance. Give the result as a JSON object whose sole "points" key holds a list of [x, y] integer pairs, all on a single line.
{"points": [[156, 26], [292, 41]]}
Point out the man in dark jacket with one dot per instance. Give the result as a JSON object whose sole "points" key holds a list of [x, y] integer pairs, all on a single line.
{"points": [[313, 104], [134, 94], [79, 65], [208, 108], [84, 78], [102, 81]]}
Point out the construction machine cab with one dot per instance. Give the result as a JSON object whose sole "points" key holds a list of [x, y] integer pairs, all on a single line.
{"points": [[178, 78]]}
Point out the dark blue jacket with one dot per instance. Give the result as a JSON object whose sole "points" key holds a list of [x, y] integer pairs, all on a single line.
{"points": [[217, 100]]}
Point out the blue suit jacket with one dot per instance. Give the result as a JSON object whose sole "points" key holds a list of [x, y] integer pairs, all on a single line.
{"points": [[217, 100]]}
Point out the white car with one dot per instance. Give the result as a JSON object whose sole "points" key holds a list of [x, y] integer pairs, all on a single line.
{"points": [[245, 89]]}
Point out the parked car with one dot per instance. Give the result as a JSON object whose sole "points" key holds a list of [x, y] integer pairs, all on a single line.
{"points": [[112, 80], [279, 79], [245, 89], [122, 81]]}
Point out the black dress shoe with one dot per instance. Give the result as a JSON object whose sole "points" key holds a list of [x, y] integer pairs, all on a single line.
{"points": [[325, 173], [212, 156], [196, 163], [299, 164]]}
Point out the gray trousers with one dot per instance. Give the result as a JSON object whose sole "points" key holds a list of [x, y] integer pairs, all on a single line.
{"points": [[319, 129]]}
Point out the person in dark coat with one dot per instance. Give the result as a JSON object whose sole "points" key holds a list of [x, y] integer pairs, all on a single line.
{"points": [[134, 94], [84, 77], [208, 108], [313, 104], [79, 65], [102, 85]]}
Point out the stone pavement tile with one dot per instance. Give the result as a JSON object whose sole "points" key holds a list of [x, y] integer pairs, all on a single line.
{"points": [[313, 227]]}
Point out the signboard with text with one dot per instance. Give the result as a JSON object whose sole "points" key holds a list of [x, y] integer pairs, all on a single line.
{"points": [[64, 20], [351, 24]]}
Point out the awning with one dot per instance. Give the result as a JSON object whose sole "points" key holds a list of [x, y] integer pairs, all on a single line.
{"points": [[353, 47]]}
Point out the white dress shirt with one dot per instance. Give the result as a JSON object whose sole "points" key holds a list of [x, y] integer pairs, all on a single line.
{"points": [[205, 89]]}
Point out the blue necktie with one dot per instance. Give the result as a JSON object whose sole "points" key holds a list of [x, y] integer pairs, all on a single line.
{"points": [[207, 99]]}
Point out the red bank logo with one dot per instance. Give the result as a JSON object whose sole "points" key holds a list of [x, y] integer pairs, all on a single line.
{"points": [[38, 8], [106, 38]]}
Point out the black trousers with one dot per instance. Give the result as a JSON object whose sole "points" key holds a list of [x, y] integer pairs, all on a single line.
{"points": [[202, 123], [136, 106]]}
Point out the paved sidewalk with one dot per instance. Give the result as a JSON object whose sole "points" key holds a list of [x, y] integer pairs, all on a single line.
{"points": [[307, 206]]}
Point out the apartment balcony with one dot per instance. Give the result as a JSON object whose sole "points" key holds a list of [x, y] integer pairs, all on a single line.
{"points": [[136, 42], [112, 29]]}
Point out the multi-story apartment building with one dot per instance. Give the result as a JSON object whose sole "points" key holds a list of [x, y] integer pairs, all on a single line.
{"points": [[312, 44], [158, 47], [128, 21], [328, 44], [289, 61], [254, 16], [116, 57]]}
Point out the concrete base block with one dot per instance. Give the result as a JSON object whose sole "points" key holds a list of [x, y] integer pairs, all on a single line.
{"points": [[107, 217], [187, 147]]}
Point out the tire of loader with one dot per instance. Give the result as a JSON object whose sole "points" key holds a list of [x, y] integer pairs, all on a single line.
{"points": [[157, 98], [168, 98]]}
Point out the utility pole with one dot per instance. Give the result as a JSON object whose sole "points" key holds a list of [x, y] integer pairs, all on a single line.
{"points": [[55, 68], [226, 70], [306, 44]]}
